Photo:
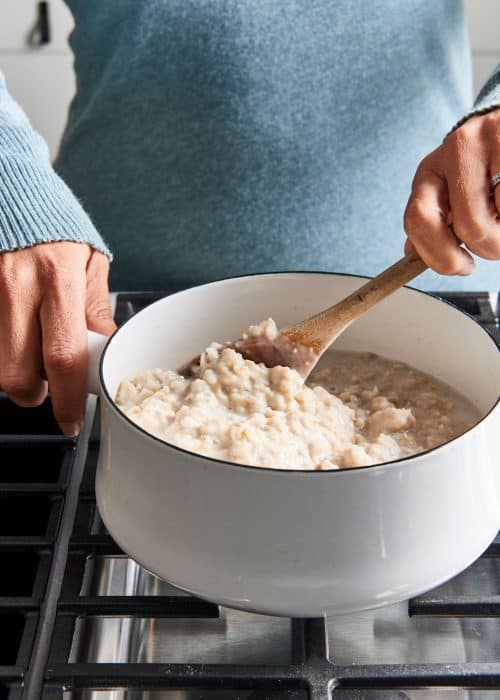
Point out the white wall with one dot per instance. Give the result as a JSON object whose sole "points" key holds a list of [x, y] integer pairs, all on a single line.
{"points": [[483, 19], [41, 78]]}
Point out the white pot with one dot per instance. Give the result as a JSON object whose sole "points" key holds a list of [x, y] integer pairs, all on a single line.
{"points": [[297, 543]]}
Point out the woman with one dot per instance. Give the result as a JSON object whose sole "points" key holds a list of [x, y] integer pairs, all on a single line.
{"points": [[208, 139]]}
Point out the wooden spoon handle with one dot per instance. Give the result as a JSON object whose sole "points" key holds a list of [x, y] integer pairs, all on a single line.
{"points": [[321, 330], [380, 287]]}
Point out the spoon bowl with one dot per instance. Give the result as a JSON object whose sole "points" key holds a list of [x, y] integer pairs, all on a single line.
{"points": [[301, 346]]}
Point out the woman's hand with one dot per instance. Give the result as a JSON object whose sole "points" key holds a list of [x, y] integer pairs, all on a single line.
{"points": [[49, 295], [450, 200]]}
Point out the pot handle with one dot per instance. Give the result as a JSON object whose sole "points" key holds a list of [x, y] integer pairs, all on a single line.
{"points": [[96, 345]]}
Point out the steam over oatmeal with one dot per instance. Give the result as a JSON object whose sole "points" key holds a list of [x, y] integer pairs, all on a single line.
{"points": [[357, 409]]}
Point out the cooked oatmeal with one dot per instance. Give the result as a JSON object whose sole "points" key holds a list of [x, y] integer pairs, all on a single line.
{"points": [[356, 409]]}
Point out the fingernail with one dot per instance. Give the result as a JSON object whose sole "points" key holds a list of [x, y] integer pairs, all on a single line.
{"points": [[71, 429], [468, 269]]}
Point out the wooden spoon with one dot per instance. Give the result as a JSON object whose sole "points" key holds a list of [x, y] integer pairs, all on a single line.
{"points": [[301, 345]]}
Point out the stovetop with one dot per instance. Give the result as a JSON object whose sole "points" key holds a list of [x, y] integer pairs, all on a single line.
{"points": [[80, 620]]}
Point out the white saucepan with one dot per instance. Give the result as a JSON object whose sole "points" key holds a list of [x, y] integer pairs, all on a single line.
{"points": [[301, 543]]}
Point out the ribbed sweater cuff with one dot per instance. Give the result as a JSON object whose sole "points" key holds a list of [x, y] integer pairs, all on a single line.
{"points": [[36, 206]]}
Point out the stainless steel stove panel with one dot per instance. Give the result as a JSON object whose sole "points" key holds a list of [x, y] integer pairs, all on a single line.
{"points": [[206, 694], [339, 694], [232, 638], [386, 635]]}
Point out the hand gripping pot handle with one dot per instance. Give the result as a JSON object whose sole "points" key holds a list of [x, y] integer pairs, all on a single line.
{"points": [[96, 345]]}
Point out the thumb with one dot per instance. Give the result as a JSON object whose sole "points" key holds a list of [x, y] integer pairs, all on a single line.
{"points": [[98, 309], [409, 247]]}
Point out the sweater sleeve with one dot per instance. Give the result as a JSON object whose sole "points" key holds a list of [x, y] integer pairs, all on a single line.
{"points": [[36, 206], [487, 100]]}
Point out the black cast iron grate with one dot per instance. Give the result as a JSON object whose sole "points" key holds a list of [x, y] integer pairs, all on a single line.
{"points": [[47, 507], [35, 461]]}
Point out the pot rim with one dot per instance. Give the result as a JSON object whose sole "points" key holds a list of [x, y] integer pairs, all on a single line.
{"points": [[144, 433]]}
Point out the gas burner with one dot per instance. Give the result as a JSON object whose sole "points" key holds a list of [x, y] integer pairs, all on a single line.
{"points": [[80, 620]]}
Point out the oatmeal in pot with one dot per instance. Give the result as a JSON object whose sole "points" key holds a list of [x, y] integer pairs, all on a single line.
{"points": [[356, 409]]}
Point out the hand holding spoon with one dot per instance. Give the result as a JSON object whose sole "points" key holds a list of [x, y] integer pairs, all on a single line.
{"points": [[300, 346]]}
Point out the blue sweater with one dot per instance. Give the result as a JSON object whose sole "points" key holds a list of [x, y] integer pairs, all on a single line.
{"points": [[211, 138]]}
